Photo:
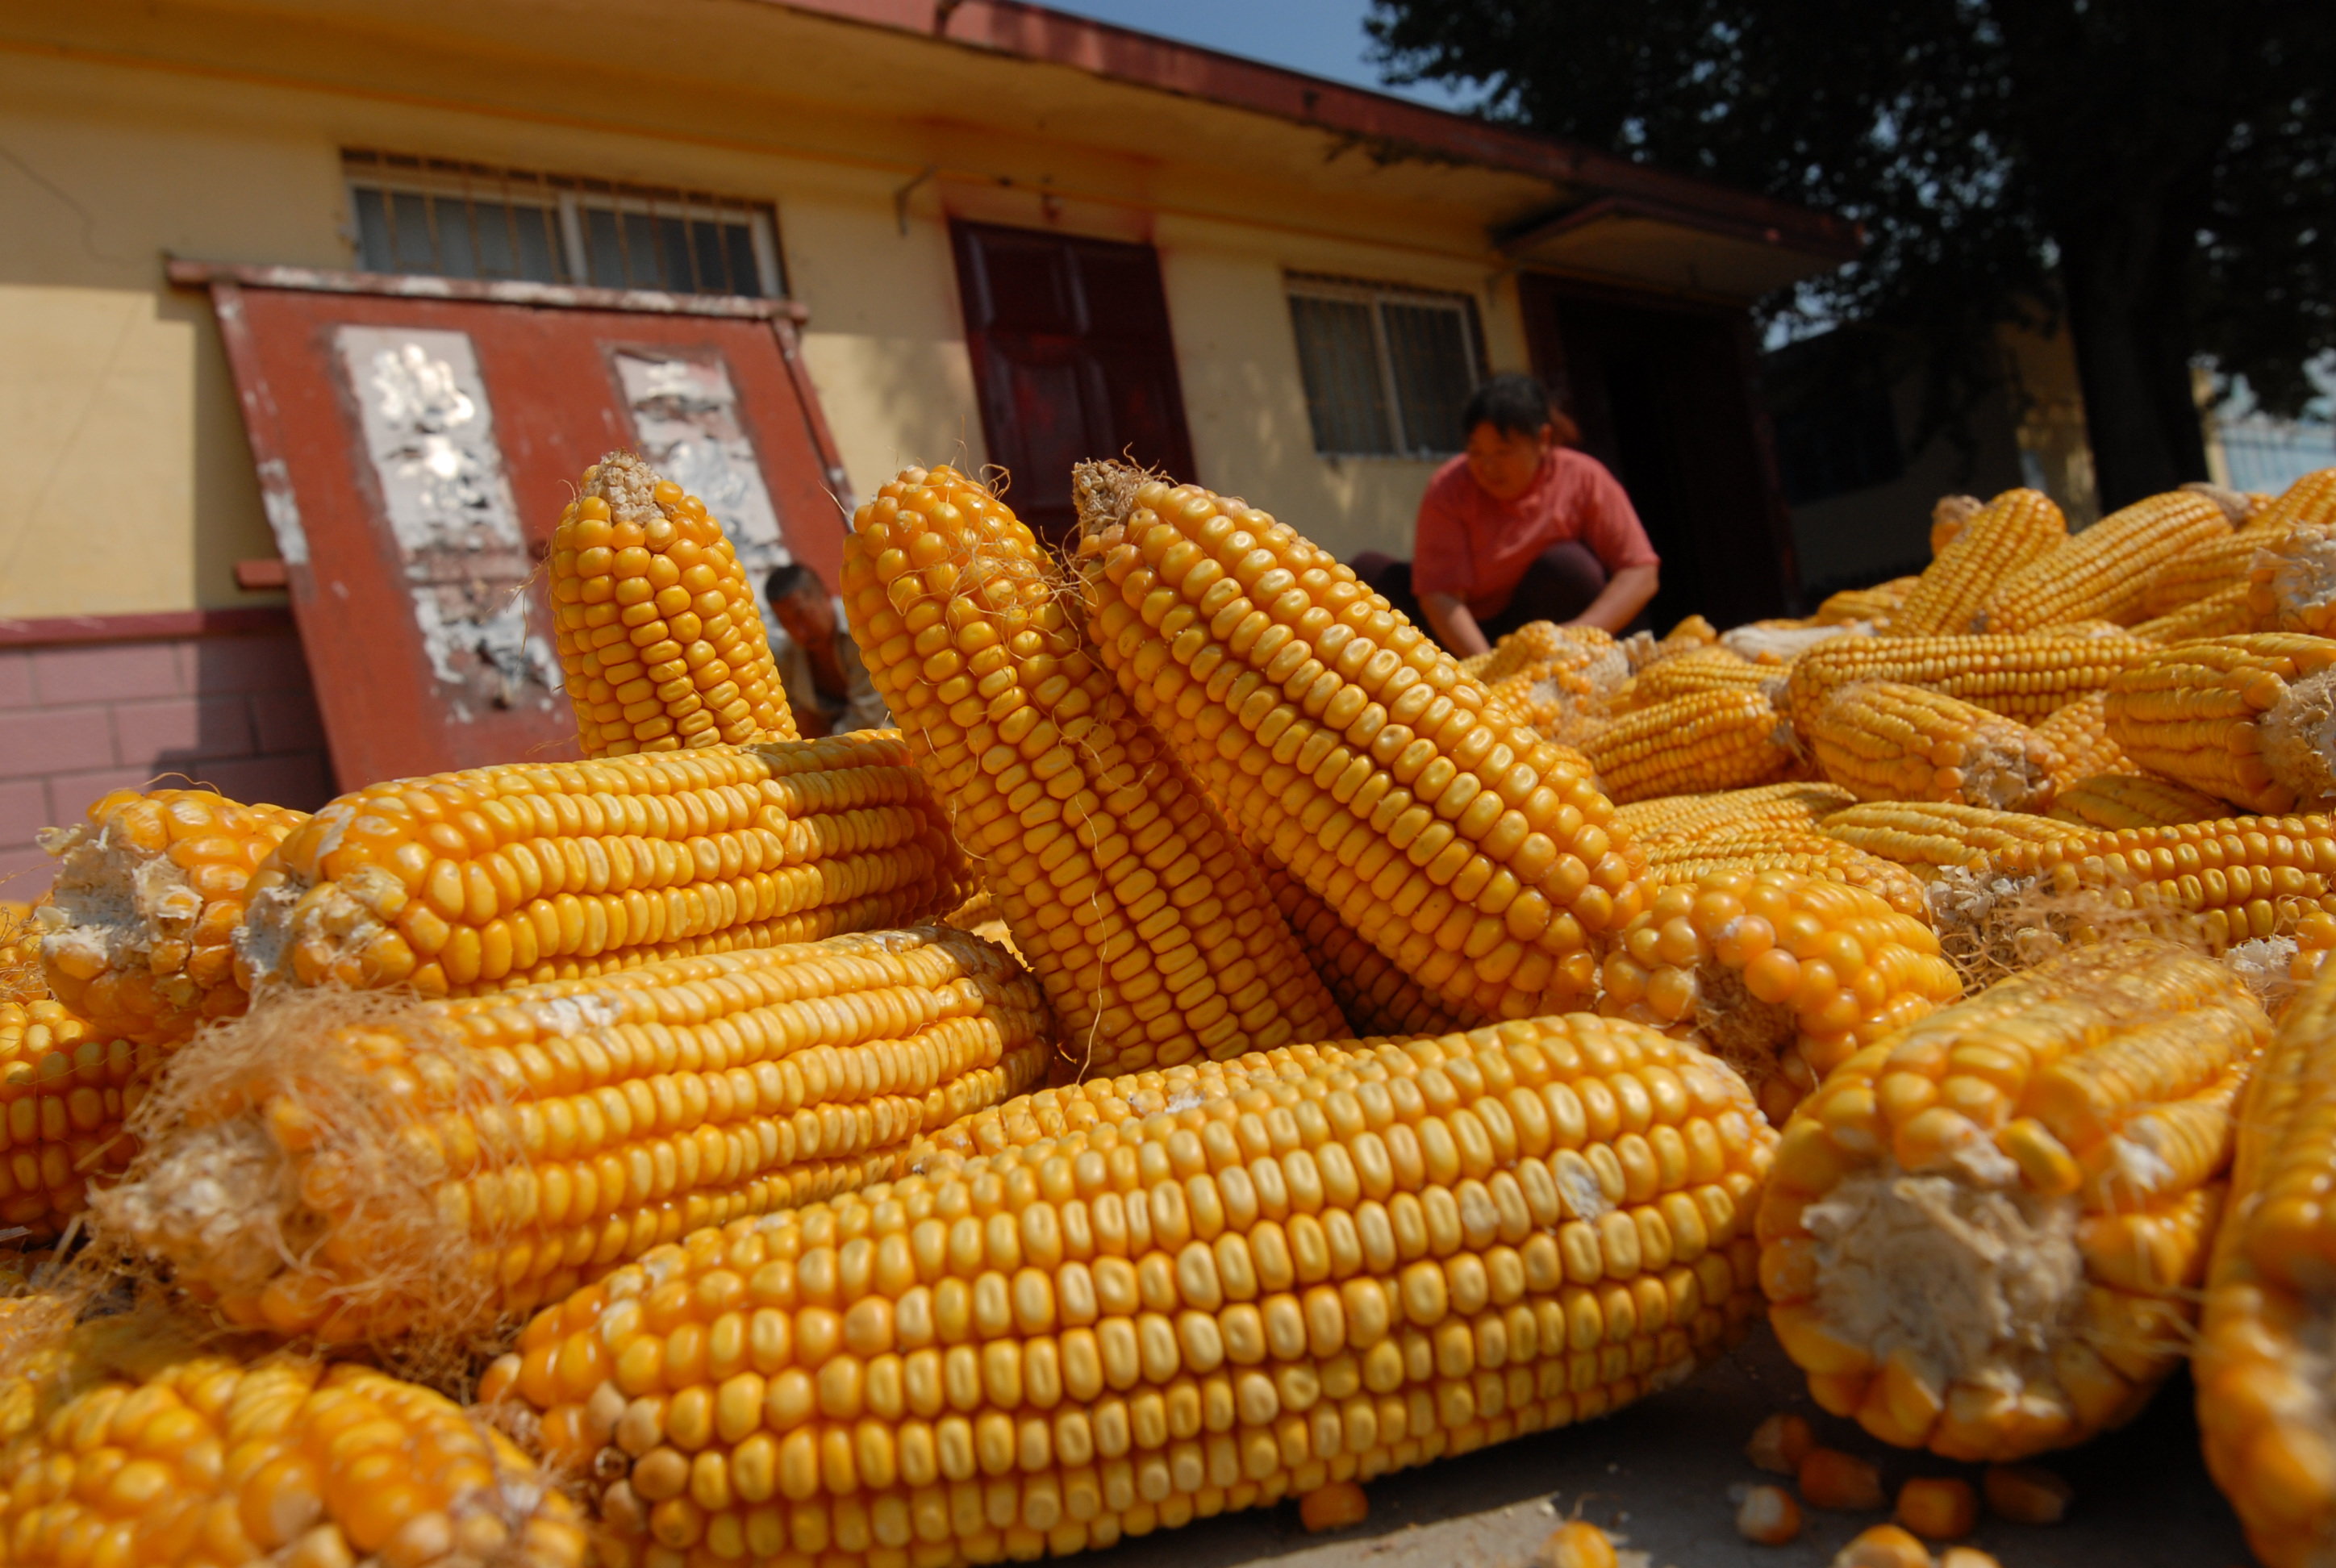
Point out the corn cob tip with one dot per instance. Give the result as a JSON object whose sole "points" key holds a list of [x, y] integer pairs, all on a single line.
{"points": [[2299, 739]]}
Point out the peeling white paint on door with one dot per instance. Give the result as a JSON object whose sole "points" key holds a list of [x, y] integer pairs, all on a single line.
{"points": [[685, 422], [430, 435]]}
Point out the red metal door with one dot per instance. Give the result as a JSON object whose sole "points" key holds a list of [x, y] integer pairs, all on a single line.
{"points": [[416, 440], [1072, 359]]}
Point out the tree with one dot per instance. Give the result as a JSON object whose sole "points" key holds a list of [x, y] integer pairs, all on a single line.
{"points": [[2161, 171]]}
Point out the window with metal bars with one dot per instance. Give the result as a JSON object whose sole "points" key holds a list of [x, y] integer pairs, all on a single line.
{"points": [[1387, 369], [455, 220]]}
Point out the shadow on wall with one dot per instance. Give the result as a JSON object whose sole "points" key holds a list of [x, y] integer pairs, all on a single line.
{"points": [[233, 713]]}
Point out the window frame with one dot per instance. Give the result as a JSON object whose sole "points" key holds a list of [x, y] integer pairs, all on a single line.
{"points": [[566, 199], [1375, 296]]}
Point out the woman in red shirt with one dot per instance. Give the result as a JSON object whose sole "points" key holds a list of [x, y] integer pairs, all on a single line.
{"points": [[1519, 528]]}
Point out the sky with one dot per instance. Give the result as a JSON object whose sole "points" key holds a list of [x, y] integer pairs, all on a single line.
{"points": [[1322, 37]]}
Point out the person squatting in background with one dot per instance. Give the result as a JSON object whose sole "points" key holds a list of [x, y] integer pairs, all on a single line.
{"points": [[1520, 527], [827, 684]]}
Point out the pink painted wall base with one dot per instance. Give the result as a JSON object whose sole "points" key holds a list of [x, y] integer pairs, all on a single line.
{"points": [[222, 699]]}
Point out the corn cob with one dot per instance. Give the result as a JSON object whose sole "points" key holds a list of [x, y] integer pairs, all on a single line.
{"points": [[20, 979], [1697, 670], [2133, 801], [1376, 997], [1588, 649], [1455, 1243], [2243, 718], [1136, 908], [1784, 976], [2209, 569], [439, 1163], [1561, 702], [149, 892], [1711, 740], [2079, 732], [659, 632], [2265, 1412], [1983, 1237], [1342, 741], [2292, 580], [65, 1091], [145, 1454], [1929, 835], [2022, 678], [2225, 612], [1685, 818], [2008, 534], [1880, 740], [1949, 515], [2217, 882], [1877, 604], [2104, 572], [467, 882], [1775, 849], [1055, 1113]]}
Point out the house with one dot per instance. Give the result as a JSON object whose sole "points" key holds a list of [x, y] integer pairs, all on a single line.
{"points": [[984, 232]]}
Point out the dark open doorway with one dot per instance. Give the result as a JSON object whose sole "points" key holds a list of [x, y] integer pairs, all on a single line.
{"points": [[1072, 358], [1663, 395]]}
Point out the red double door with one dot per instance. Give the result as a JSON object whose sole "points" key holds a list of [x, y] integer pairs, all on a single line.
{"points": [[1072, 359]]}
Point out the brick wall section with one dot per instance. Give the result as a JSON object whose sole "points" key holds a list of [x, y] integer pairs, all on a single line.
{"points": [[233, 712]]}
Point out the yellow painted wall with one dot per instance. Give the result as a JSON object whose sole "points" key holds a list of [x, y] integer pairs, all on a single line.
{"points": [[133, 489]]}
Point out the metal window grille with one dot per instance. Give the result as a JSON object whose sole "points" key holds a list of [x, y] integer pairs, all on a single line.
{"points": [[453, 220], [1387, 369]]}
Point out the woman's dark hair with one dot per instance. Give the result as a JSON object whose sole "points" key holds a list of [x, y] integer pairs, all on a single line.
{"points": [[793, 577], [1517, 405]]}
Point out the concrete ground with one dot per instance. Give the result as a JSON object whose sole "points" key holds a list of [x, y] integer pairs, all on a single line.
{"points": [[1657, 1476]]}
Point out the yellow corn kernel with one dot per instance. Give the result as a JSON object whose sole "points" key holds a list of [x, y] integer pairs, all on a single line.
{"points": [[1577, 1543], [2127, 1056], [463, 1159], [1838, 1482], [1780, 1443], [1768, 1516], [65, 1093], [2241, 718], [1729, 738], [2025, 1493], [1334, 1506], [1135, 904], [2104, 573], [323, 1464], [1985, 549], [1175, 1309], [659, 632], [464, 883], [1883, 1546], [1342, 740], [150, 889], [2225, 612], [1937, 1507], [1881, 740]]}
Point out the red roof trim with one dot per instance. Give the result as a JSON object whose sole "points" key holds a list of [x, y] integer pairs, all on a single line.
{"points": [[1037, 33]]}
